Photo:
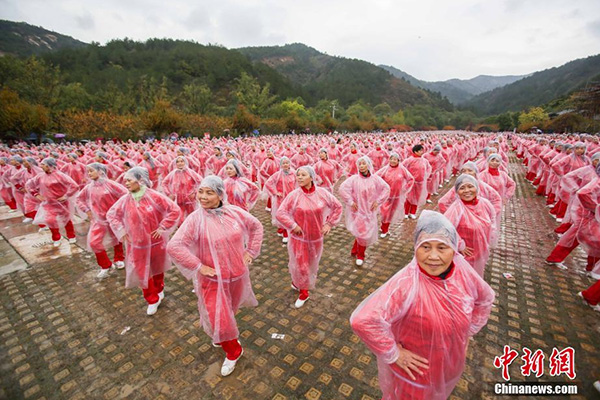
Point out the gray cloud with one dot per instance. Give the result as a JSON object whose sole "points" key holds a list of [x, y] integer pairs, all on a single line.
{"points": [[85, 21], [594, 28]]}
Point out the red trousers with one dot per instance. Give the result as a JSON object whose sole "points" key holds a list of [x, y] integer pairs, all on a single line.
{"points": [[233, 349], [282, 232], [156, 284], [559, 209], [70, 232], [541, 190], [563, 228], [592, 294], [385, 227], [551, 198], [12, 204], [103, 260], [269, 202], [560, 253], [358, 250], [410, 208]]}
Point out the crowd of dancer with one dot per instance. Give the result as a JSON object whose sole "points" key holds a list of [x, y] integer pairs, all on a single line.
{"points": [[188, 202]]}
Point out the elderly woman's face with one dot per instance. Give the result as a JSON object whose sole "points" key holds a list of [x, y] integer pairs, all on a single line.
{"points": [[180, 163], [229, 156], [394, 161], [230, 170], [208, 198], [285, 165], [132, 185], [467, 191], [93, 174], [46, 168], [323, 155], [303, 178], [434, 257], [579, 151], [363, 167], [494, 163], [468, 171], [595, 162]]}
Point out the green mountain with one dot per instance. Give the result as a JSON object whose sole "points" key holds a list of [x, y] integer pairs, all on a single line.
{"points": [[22, 39], [458, 91], [539, 88], [326, 77]]}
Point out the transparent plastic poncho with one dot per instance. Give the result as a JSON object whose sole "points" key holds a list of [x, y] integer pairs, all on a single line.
{"points": [[430, 317], [218, 238]]}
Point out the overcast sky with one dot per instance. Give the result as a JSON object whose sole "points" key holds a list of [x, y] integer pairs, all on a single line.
{"points": [[429, 39]]}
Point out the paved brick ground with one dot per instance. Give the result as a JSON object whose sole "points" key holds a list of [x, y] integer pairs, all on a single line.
{"points": [[67, 336]]}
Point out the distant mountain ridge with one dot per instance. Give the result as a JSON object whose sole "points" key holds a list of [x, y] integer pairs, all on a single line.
{"points": [[458, 91], [327, 77], [539, 88], [22, 39]]}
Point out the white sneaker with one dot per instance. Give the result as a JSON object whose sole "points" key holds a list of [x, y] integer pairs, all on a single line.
{"points": [[429, 201], [161, 296], [559, 265], [597, 385], [299, 303], [267, 209], [405, 216], [12, 211], [27, 220], [359, 262], [44, 229], [56, 243], [229, 365], [413, 216], [284, 240], [73, 240], [153, 308], [120, 264], [558, 219], [103, 273], [383, 235], [594, 276]]}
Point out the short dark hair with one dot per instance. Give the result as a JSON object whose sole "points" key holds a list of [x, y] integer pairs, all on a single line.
{"points": [[417, 148]]}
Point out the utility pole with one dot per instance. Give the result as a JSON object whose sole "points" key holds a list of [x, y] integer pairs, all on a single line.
{"points": [[333, 110]]}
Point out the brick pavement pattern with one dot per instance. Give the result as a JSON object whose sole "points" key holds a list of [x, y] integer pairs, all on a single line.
{"points": [[66, 335]]}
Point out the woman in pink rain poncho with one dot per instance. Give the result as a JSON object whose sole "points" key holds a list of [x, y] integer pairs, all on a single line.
{"points": [[475, 221], [54, 190], [420, 169], [181, 184], [215, 162], [268, 167], [5, 189], [153, 168], [75, 169], [214, 247], [17, 189], [143, 220], [95, 199], [419, 322], [28, 170], [308, 213], [363, 194], [485, 190], [503, 184], [277, 187], [328, 171], [241, 191], [575, 160], [400, 182], [437, 162], [349, 160]]}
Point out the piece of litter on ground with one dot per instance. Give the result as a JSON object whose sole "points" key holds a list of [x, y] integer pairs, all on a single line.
{"points": [[508, 275], [125, 330], [279, 336], [329, 295]]}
